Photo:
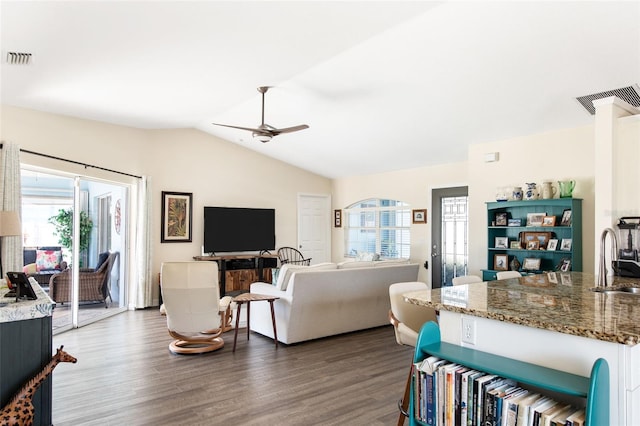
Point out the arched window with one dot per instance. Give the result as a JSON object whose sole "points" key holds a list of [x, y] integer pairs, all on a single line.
{"points": [[378, 226]]}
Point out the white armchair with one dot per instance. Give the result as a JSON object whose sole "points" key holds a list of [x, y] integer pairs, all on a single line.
{"points": [[196, 316]]}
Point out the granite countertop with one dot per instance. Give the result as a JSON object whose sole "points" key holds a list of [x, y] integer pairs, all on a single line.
{"points": [[558, 301], [10, 310]]}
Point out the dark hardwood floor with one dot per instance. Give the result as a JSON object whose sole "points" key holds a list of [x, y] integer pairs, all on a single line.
{"points": [[125, 375]]}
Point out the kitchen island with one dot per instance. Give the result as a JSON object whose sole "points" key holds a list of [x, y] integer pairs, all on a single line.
{"points": [[553, 320], [26, 347]]}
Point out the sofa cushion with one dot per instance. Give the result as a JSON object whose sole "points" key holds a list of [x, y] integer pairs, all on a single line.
{"points": [[285, 273], [355, 264], [287, 270], [367, 257], [102, 257], [391, 262], [47, 260], [30, 269]]}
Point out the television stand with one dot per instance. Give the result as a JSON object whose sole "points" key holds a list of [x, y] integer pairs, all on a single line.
{"points": [[238, 271]]}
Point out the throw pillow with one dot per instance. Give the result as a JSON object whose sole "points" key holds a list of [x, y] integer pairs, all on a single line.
{"points": [[48, 259], [30, 269], [285, 273], [102, 257], [367, 257], [274, 275]]}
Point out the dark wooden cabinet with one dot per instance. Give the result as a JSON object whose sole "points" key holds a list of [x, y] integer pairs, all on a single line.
{"points": [[25, 348], [238, 272]]}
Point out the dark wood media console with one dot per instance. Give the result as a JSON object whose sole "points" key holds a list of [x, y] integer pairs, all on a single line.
{"points": [[237, 272]]}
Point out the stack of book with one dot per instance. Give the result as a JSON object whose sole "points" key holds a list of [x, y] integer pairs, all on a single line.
{"points": [[449, 394]]}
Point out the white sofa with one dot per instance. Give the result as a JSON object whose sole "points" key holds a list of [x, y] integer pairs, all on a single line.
{"points": [[324, 300]]}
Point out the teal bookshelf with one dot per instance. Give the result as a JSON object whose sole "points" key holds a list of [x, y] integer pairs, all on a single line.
{"points": [[519, 210], [594, 389]]}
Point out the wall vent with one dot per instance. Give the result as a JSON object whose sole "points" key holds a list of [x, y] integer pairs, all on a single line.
{"points": [[630, 95], [18, 58]]}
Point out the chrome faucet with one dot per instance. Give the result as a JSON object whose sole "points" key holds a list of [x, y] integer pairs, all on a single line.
{"points": [[602, 269]]}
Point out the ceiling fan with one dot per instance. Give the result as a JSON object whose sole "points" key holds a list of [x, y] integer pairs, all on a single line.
{"points": [[265, 132]]}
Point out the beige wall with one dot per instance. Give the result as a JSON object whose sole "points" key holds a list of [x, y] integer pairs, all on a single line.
{"points": [[218, 173], [412, 186], [225, 174], [560, 155], [565, 154]]}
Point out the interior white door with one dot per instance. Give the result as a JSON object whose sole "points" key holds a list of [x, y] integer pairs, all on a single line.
{"points": [[314, 227]]}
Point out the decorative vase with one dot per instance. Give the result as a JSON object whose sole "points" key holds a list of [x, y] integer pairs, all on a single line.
{"points": [[532, 192], [517, 193], [502, 194], [566, 188], [514, 265], [548, 190]]}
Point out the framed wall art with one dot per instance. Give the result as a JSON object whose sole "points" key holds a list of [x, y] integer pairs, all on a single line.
{"points": [[337, 218], [420, 216], [177, 214]]}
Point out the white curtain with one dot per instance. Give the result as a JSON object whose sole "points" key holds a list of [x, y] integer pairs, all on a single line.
{"points": [[144, 280], [11, 200]]}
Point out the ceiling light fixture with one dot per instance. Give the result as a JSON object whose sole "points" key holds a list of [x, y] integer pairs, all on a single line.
{"points": [[264, 138]]}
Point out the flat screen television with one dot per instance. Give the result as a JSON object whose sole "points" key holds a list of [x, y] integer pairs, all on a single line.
{"points": [[236, 229]]}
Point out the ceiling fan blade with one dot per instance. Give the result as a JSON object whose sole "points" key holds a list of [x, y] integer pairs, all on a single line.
{"points": [[251, 129], [289, 129]]}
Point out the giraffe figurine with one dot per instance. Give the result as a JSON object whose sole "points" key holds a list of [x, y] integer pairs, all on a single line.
{"points": [[19, 411]]}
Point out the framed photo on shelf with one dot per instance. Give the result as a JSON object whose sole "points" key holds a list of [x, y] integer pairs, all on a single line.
{"points": [[566, 218], [533, 245], [514, 222], [515, 244], [531, 264], [542, 237], [501, 242], [501, 219], [535, 219], [177, 213], [552, 245], [565, 245], [420, 216], [549, 221], [564, 265], [500, 262]]}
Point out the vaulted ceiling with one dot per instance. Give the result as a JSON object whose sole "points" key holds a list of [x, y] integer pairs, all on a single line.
{"points": [[383, 85]]}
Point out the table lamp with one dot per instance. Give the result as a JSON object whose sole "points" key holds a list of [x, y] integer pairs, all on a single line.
{"points": [[9, 226]]}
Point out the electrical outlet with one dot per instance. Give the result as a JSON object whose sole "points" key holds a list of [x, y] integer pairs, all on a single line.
{"points": [[469, 330]]}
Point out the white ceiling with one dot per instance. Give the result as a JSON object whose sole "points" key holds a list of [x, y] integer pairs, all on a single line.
{"points": [[383, 85]]}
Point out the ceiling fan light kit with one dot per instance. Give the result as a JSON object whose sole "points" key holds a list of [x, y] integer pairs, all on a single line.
{"points": [[264, 133]]}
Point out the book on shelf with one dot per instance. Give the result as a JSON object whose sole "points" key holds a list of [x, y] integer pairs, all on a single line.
{"points": [[536, 413], [478, 390], [497, 396], [489, 398], [471, 396], [541, 403], [560, 418], [523, 408], [510, 406], [464, 394], [428, 369], [457, 391], [545, 416], [577, 418], [447, 393]]}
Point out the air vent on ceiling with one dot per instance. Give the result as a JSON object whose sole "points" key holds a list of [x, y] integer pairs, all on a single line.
{"points": [[630, 95], [18, 58]]}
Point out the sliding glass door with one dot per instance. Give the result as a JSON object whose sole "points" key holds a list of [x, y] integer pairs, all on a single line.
{"points": [[74, 240]]}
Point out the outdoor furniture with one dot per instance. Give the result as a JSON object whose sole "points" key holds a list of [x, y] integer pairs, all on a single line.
{"points": [[93, 283]]}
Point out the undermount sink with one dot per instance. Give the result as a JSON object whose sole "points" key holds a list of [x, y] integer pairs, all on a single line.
{"points": [[628, 290]]}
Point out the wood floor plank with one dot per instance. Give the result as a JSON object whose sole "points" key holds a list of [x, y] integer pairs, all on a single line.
{"points": [[126, 375]]}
